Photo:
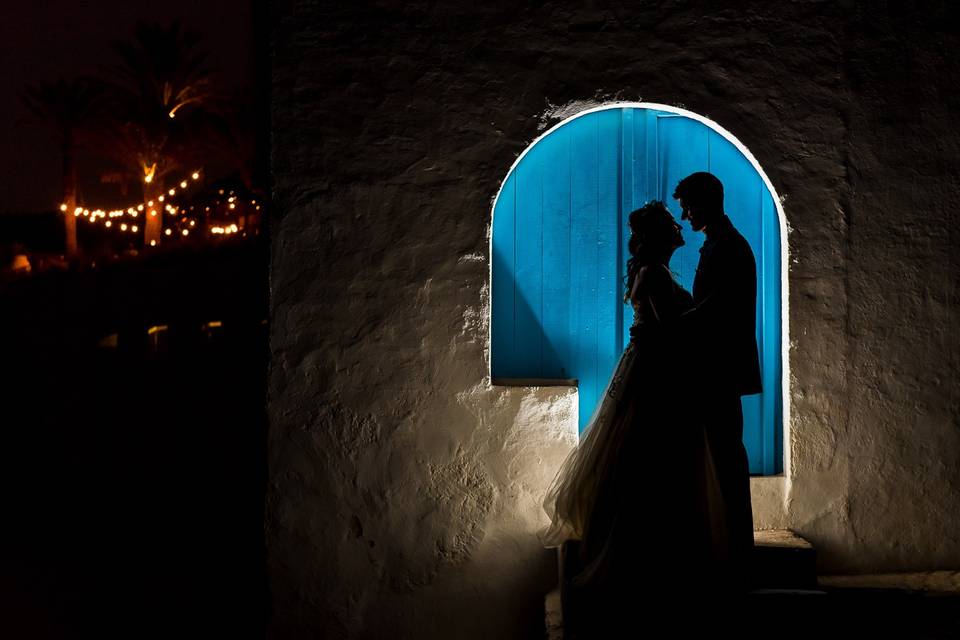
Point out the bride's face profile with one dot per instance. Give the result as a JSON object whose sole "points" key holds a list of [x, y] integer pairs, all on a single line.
{"points": [[669, 232], [655, 229], [678, 240]]}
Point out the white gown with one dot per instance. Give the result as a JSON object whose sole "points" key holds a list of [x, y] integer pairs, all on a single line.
{"points": [[640, 487]]}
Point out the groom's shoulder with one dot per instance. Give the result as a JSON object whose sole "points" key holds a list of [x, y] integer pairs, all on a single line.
{"points": [[732, 233], [733, 241]]}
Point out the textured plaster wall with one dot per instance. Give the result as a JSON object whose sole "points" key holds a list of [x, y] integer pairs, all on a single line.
{"points": [[404, 490]]}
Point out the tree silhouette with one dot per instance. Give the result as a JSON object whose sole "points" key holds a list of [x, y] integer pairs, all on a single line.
{"points": [[69, 107], [166, 108]]}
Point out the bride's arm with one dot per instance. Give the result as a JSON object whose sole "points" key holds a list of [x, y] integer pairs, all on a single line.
{"points": [[651, 290]]}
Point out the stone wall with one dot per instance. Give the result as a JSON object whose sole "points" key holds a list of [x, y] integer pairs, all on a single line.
{"points": [[404, 490]]}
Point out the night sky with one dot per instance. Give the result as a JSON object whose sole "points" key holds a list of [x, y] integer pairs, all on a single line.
{"points": [[58, 38]]}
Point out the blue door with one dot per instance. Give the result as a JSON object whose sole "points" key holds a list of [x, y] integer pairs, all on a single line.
{"points": [[559, 252]]}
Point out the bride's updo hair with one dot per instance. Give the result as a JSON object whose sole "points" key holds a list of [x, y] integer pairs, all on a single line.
{"points": [[651, 228]]}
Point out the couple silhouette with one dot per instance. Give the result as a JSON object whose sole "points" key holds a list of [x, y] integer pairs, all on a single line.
{"points": [[653, 506]]}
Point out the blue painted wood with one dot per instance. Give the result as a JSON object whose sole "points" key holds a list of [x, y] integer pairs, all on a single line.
{"points": [[556, 338], [609, 297], [629, 174], [584, 181], [771, 340], [503, 362], [559, 252], [528, 302]]}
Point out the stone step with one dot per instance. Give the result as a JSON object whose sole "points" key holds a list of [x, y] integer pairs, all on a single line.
{"points": [[783, 563], [783, 560]]}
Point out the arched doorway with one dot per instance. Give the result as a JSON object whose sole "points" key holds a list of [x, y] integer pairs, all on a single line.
{"points": [[558, 248]]}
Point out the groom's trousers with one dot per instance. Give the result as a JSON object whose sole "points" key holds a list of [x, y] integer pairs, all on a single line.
{"points": [[723, 421]]}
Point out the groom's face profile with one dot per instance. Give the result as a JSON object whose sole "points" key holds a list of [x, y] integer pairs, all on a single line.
{"points": [[691, 213]]}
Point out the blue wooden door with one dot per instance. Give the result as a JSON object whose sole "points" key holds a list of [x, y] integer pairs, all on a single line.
{"points": [[559, 252]]}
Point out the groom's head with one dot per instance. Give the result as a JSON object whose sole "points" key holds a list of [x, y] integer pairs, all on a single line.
{"points": [[701, 198]]}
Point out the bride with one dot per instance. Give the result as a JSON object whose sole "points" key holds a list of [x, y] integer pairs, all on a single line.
{"points": [[639, 492]]}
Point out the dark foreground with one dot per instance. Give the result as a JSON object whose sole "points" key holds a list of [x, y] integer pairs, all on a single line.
{"points": [[132, 462]]}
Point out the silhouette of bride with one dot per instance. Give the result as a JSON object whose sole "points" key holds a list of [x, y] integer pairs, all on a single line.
{"points": [[639, 492]]}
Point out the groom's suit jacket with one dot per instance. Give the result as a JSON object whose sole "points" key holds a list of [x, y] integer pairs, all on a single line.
{"points": [[724, 315]]}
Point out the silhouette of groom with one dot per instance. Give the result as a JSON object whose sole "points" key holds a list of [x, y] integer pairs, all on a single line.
{"points": [[722, 328]]}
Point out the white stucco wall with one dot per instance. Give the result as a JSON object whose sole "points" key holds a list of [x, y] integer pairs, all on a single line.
{"points": [[404, 490]]}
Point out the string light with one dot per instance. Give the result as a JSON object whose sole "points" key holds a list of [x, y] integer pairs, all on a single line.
{"points": [[132, 211], [186, 222]]}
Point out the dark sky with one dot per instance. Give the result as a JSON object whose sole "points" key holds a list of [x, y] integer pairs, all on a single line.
{"points": [[50, 39]]}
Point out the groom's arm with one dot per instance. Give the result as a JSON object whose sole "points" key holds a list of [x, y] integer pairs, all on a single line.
{"points": [[733, 277]]}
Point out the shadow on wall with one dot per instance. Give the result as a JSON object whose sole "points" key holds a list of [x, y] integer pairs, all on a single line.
{"points": [[532, 351]]}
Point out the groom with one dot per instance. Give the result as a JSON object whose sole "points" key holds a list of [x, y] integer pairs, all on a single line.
{"points": [[722, 326]]}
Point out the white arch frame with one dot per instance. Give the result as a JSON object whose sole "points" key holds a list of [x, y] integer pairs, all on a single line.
{"points": [[784, 249]]}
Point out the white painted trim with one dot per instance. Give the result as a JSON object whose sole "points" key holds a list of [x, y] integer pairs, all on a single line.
{"points": [[784, 252]]}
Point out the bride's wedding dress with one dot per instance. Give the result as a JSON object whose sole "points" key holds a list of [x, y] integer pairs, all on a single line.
{"points": [[640, 491]]}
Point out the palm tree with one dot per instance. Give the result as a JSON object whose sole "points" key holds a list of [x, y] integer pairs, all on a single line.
{"points": [[69, 107], [165, 103]]}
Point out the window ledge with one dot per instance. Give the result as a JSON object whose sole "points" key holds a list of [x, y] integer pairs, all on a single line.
{"points": [[534, 382]]}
